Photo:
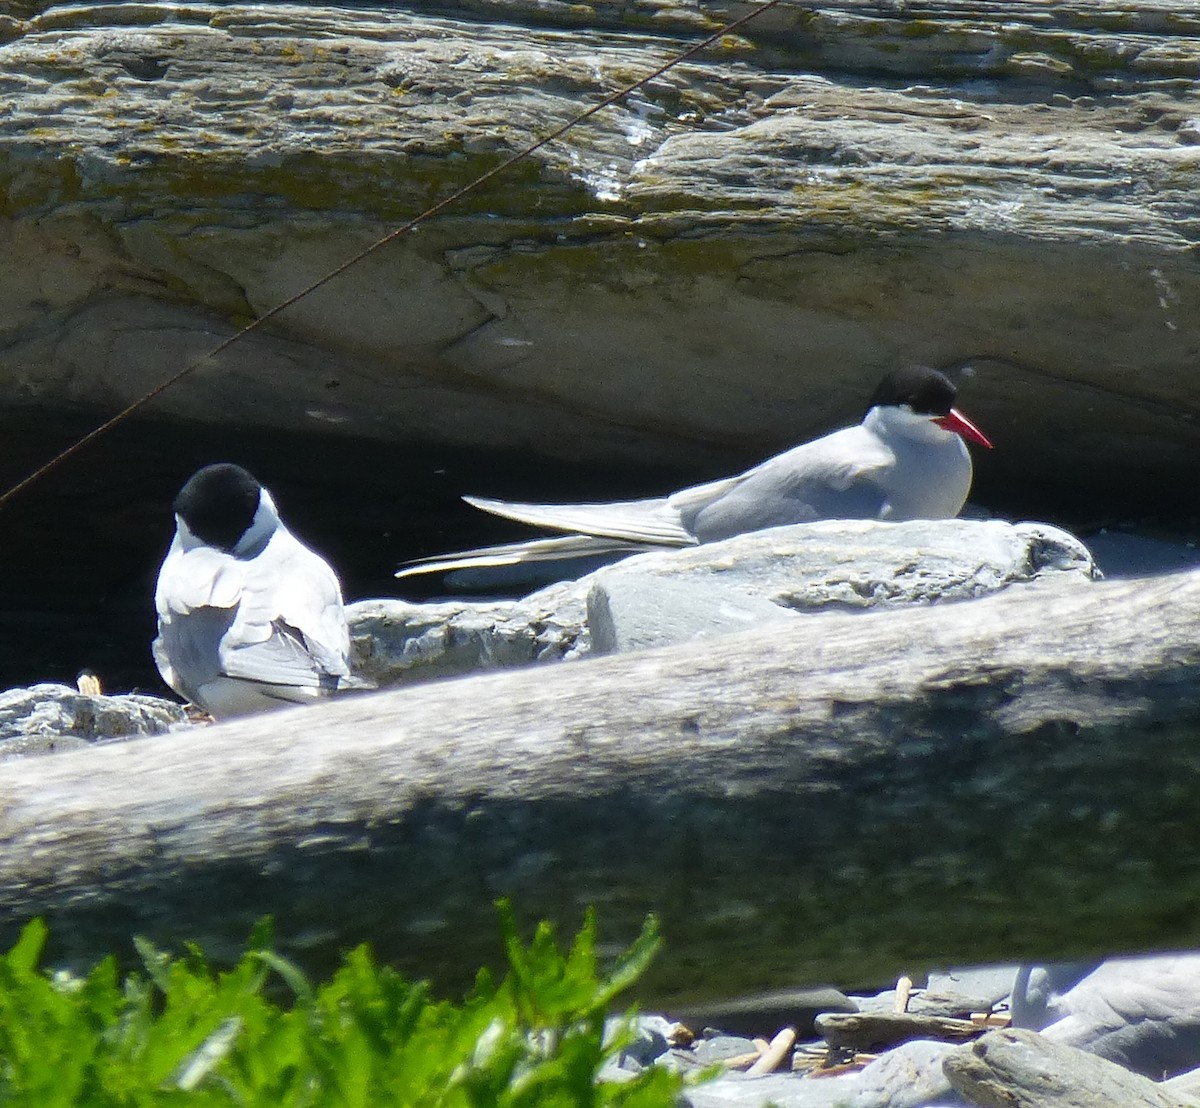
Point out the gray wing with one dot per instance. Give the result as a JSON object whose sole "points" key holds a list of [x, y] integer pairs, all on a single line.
{"points": [[833, 477], [290, 627], [274, 619], [287, 657], [188, 648], [836, 477]]}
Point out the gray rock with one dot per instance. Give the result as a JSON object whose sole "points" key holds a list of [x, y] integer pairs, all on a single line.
{"points": [[738, 584], [1018, 1068], [908, 1077], [710, 1048], [655, 599], [631, 612], [649, 1041], [778, 1090], [990, 985], [752, 218], [1142, 1013], [45, 719], [394, 641], [948, 1003]]}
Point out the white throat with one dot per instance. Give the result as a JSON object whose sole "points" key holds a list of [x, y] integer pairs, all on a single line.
{"points": [[890, 423]]}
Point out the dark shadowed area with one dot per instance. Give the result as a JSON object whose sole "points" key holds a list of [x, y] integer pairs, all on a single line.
{"points": [[81, 548]]}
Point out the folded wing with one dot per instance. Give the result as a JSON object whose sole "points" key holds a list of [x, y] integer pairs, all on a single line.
{"points": [[654, 522]]}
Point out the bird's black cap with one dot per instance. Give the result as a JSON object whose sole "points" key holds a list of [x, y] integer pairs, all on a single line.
{"points": [[926, 391], [218, 503]]}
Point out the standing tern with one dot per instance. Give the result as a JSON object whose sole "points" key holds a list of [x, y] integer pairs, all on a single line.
{"points": [[907, 459], [248, 617]]}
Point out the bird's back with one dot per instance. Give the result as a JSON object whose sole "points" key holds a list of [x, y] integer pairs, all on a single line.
{"points": [[835, 477]]}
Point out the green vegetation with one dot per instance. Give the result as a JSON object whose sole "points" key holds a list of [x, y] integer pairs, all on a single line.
{"points": [[180, 1033]]}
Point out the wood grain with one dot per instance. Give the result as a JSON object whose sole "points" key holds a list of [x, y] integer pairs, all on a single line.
{"points": [[863, 794]]}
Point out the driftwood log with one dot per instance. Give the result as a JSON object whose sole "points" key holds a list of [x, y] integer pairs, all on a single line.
{"points": [[1014, 777]]}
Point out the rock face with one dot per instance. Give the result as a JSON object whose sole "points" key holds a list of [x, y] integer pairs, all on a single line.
{"points": [[718, 267], [747, 582], [49, 718]]}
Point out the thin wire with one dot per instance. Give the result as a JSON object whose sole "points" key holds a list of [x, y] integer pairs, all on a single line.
{"points": [[403, 229]]}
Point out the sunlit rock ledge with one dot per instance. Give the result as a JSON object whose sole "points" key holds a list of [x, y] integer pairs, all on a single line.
{"points": [[723, 264]]}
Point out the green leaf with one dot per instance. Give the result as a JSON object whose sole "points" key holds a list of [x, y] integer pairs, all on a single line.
{"points": [[292, 975], [27, 951]]}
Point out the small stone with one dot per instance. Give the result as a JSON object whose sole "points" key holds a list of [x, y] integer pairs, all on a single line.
{"points": [[1188, 132], [736, 1090], [649, 1042], [719, 1048]]}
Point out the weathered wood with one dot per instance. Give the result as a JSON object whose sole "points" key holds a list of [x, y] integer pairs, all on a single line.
{"points": [[1014, 776]]}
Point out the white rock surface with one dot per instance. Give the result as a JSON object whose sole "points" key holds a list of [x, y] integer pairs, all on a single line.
{"points": [[751, 580], [833, 565]]}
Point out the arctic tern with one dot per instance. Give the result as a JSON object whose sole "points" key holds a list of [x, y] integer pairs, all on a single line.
{"points": [[249, 618], [907, 459]]}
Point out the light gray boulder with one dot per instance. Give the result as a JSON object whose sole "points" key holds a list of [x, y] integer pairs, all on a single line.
{"points": [[647, 1039], [1019, 1068], [47, 718], [908, 1077], [632, 612], [831, 565], [749, 581], [1142, 1013]]}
